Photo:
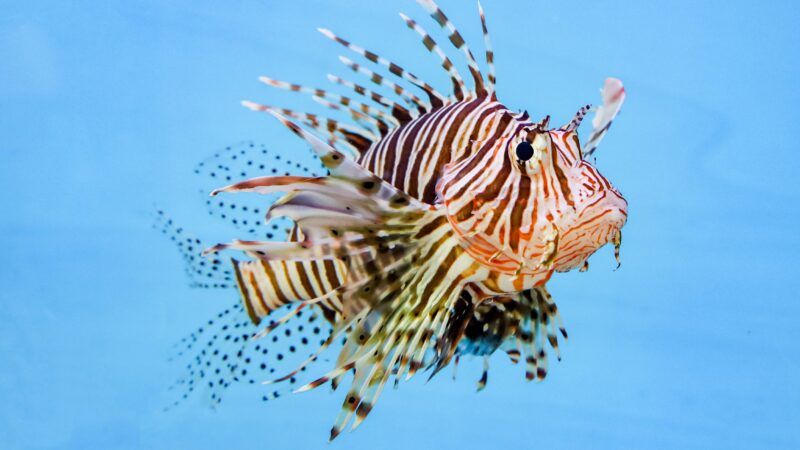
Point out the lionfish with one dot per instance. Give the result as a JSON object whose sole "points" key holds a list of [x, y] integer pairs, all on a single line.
{"points": [[432, 236]]}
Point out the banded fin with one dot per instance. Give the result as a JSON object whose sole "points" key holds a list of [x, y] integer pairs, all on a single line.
{"points": [[224, 350], [399, 112], [540, 325], [412, 100], [522, 325], [268, 285], [458, 42], [577, 119], [240, 161], [346, 175], [461, 312], [459, 89], [366, 122], [436, 99]]}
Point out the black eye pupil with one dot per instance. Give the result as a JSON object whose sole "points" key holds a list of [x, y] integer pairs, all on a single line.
{"points": [[524, 151]]}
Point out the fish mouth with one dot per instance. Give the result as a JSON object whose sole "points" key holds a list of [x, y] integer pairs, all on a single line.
{"points": [[584, 238], [562, 249]]}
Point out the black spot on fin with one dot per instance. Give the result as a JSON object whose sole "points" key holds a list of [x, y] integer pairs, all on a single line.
{"points": [[246, 211], [202, 272], [227, 350]]}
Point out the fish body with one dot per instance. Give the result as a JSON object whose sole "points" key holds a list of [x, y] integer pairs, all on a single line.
{"points": [[437, 228]]}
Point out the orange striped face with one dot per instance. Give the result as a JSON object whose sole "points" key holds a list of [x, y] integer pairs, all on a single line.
{"points": [[597, 211], [529, 204]]}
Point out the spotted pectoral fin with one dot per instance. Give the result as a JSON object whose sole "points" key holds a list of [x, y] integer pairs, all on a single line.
{"points": [[202, 271], [227, 350], [244, 160]]}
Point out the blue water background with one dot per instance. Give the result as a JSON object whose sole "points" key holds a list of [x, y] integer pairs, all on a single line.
{"points": [[693, 343]]}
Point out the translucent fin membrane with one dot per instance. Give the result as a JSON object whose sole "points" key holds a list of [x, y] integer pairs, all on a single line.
{"points": [[229, 350], [240, 161], [202, 272]]}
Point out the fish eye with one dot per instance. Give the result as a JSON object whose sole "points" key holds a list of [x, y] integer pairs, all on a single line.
{"points": [[524, 151]]}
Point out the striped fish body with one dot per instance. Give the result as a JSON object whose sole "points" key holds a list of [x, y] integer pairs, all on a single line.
{"points": [[413, 156], [437, 227]]}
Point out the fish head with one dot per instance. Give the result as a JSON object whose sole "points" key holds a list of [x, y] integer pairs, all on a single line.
{"points": [[595, 210], [529, 203]]}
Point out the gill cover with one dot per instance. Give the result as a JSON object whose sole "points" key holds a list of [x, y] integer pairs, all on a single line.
{"points": [[501, 207]]}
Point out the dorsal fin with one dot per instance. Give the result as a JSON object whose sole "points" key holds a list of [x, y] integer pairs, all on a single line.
{"points": [[433, 47], [458, 42], [359, 117], [577, 119], [388, 121], [376, 78], [398, 112], [358, 139], [437, 100], [491, 77]]}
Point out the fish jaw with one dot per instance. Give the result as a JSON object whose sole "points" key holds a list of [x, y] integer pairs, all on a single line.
{"points": [[593, 229]]}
